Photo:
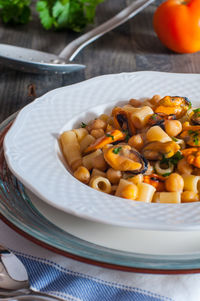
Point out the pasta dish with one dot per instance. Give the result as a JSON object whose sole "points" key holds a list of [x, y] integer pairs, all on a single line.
{"points": [[144, 151]]}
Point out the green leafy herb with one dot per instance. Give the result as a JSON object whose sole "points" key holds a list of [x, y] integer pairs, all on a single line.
{"points": [[154, 116], [117, 150], [166, 174], [72, 14], [195, 136], [83, 125], [108, 135], [173, 160], [15, 11], [127, 137], [196, 110], [174, 139], [190, 105]]}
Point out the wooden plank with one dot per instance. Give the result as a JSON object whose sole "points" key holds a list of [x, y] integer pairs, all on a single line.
{"points": [[131, 47]]}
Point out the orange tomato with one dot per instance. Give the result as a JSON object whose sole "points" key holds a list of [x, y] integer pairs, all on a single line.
{"points": [[177, 24]]}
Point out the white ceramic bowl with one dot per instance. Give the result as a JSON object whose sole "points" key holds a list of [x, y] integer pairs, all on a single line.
{"points": [[33, 155]]}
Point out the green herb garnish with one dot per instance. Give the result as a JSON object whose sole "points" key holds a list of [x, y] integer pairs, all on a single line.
{"points": [[108, 135], [195, 136], [127, 137], [166, 174], [196, 110], [154, 116], [174, 139], [173, 160], [83, 125], [190, 105], [117, 150]]}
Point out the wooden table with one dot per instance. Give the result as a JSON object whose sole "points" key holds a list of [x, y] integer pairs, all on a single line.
{"points": [[131, 47]]}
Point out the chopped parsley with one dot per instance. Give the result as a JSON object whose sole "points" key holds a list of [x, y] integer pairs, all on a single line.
{"points": [[127, 135], [196, 110], [154, 116], [190, 104], [195, 136], [173, 160], [108, 135], [166, 174], [117, 150], [83, 125]]}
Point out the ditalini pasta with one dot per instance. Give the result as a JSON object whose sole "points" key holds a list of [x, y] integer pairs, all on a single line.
{"points": [[143, 151]]}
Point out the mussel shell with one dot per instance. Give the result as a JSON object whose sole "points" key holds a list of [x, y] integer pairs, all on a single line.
{"points": [[143, 161]]}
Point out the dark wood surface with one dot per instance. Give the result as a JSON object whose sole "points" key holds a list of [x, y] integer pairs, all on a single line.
{"points": [[131, 47]]}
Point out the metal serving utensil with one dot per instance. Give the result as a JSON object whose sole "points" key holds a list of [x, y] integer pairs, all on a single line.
{"points": [[35, 61], [19, 290]]}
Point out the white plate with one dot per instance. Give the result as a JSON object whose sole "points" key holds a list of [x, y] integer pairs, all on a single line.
{"points": [[32, 151], [124, 239]]}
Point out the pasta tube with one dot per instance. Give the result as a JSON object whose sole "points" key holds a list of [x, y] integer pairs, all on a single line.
{"points": [[88, 159], [80, 133], [191, 183], [71, 149], [141, 117], [155, 133], [145, 192], [101, 184], [127, 190], [170, 197], [86, 141]]}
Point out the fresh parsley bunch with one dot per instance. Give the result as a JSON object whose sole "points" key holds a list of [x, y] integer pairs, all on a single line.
{"points": [[73, 14], [15, 11], [58, 14]]}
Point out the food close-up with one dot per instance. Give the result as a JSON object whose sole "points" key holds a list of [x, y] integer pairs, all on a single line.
{"points": [[145, 151], [100, 150]]}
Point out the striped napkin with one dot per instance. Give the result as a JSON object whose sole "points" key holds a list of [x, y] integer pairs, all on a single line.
{"points": [[75, 281]]}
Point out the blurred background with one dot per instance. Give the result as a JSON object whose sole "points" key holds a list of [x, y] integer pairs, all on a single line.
{"points": [[133, 46]]}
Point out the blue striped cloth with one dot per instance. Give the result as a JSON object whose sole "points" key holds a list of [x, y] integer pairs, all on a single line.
{"points": [[47, 276], [71, 280]]}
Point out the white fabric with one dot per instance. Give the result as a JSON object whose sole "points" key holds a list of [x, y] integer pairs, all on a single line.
{"points": [[175, 287]]}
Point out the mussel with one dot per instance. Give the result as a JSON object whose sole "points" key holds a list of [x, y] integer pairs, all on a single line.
{"points": [[123, 157], [122, 120], [195, 118], [173, 105], [156, 150], [159, 119]]}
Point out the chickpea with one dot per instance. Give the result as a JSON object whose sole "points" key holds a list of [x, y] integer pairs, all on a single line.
{"points": [[183, 167], [113, 175], [129, 192], [104, 117], [97, 133], [135, 103], [136, 141], [110, 121], [82, 174], [155, 99], [173, 127], [174, 183], [98, 124], [189, 196], [136, 179], [99, 162]]}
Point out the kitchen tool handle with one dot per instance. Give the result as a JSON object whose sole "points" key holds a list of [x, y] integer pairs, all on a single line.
{"points": [[73, 48]]}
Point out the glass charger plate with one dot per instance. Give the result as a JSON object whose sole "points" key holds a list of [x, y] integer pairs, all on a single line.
{"points": [[18, 211]]}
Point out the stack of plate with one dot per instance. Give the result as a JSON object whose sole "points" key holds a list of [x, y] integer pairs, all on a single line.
{"points": [[55, 210]]}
